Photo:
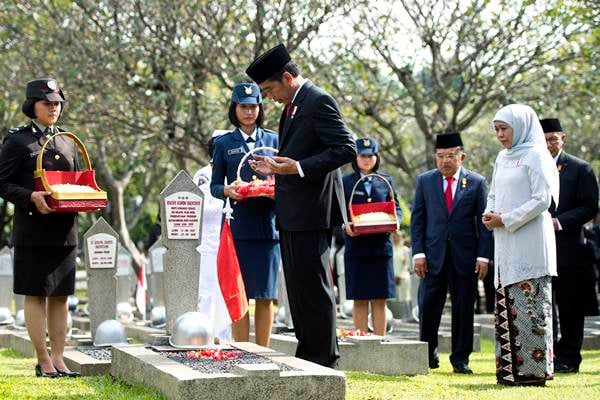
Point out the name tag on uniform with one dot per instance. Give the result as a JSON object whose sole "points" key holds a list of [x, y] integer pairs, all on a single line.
{"points": [[359, 192], [239, 150]]}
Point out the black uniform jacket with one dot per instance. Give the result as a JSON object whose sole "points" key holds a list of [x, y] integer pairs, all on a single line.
{"points": [[317, 137], [577, 204], [17, 164]]}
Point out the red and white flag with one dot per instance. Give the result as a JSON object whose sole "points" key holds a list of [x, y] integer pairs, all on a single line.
{"points": [[141, 290], [230, 276]]}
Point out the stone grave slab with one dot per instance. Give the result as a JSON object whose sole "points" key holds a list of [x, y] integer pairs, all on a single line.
{"points": [[375, 354], [5, 336], [280, 378], [81, 323], [20, 342], [88, 360], [141, 332]]}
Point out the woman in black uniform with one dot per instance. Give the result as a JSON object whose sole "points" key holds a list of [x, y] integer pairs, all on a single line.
{"points": [[44, 242]]}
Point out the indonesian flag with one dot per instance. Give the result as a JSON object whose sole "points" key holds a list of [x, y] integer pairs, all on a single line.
{"points": [[230, 276], [140, 291]]}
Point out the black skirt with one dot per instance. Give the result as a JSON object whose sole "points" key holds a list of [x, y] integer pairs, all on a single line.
{"points": [[45, 271]]}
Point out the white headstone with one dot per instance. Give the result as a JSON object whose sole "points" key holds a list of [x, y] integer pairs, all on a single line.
{"points": [[181, 209], [100, 248]]}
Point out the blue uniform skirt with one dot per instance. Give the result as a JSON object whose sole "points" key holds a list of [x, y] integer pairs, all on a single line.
{"points": [[369, 278], [259, 262]]}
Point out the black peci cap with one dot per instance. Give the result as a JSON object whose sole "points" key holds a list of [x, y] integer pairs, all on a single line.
{"points": [[268, 64], [448, 140], [551, 125]]}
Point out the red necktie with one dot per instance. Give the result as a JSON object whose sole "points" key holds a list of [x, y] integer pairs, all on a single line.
{"points": [[289, 108], [448, 193]]}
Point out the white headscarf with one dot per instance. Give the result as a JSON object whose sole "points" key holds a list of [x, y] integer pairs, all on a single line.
{"points": [[528, 144]]}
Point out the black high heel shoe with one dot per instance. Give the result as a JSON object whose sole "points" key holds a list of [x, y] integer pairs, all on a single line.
{"points": [[68, 374], [39, 372]]}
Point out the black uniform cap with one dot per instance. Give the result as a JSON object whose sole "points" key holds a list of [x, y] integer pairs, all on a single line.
{"points": [[41, 89], [268, 64], [551, 125], [448, 140]]}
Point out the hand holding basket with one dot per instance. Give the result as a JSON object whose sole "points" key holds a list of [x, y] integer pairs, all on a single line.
{"points": [[70, 191]]}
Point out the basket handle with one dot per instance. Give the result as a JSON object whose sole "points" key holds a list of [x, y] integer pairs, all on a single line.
{"points": [[78, 142], [243, 160], [391, 193]]}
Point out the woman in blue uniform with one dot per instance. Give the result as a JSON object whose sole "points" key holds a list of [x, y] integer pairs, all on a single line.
{"points": [[45, 242], [368, 258], [253, 224]]}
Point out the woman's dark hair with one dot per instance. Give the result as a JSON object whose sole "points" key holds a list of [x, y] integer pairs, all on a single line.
{"points": [[210, 147], [290, 67], [28, 107], [375, 167], [233, 118]]}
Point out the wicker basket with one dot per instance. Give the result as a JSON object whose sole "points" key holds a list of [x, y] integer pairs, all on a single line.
{"points": [[69, 201], [363, 225], [257, 187]]}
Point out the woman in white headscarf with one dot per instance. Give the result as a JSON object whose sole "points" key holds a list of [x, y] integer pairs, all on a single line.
{"points": [[525, 181]]}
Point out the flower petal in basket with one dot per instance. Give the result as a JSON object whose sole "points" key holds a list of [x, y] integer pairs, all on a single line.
{"points": [[257, 187]]}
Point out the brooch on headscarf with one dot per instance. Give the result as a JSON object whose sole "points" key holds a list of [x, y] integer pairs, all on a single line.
{"points": [[464, 183], [519, 162]]}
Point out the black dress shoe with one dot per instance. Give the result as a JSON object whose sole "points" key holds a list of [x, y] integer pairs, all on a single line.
{"points": [[68, 374], [462, 369], [40, 373], [434, 363], [565, 369]]}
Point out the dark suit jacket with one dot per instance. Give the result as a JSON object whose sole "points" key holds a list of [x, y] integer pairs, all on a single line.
{"points": [[318, 138], [252, 218], [577, 204], [377, 245], [432, 229], [17, 164]]}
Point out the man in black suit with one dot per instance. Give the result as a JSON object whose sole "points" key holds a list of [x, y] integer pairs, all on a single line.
{"points": [[313, 142], [577, 204]]}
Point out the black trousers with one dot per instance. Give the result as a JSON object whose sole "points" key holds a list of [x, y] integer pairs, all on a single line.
{"points": [[432, 297], [305, 257], [569, 300]]}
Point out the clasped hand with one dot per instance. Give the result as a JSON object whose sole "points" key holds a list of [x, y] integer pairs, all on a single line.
{"points": [[273, 165], [492, 220]]}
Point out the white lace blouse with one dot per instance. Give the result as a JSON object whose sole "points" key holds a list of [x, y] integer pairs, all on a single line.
{"points": [[525, 247]]}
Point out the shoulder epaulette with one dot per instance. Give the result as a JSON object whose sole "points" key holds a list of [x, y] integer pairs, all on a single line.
{"points": [[18, 129]]}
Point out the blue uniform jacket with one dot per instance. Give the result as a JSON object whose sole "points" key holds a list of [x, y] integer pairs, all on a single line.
{"points": [[375, 245], [253, 218], [432, 229]]}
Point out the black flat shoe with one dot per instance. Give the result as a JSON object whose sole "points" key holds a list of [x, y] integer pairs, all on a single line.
{"points": [[68, 374], [434, 363], [566, 369], [39, 372], [462, 369]]}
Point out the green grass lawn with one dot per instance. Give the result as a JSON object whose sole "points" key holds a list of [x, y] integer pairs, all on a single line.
{"points": [[17, 381]]}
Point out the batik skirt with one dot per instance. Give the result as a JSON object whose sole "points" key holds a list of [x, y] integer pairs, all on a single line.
{"points": [[524, 354]]}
